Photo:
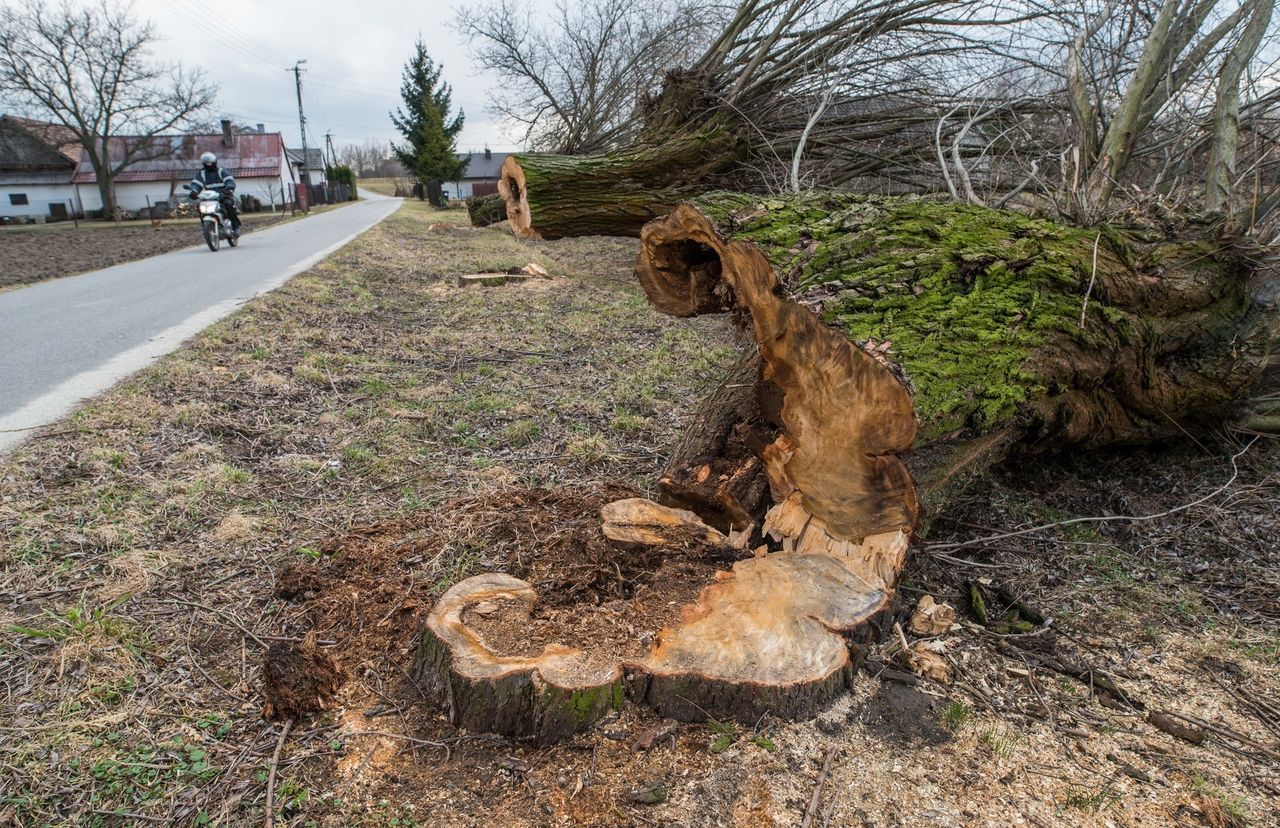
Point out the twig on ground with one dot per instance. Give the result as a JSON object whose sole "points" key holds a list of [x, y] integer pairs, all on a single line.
{"points": [[140, 817], [448, 753], [261, 640], [195, 663], [270, 820], [1226, 732], [812, 810]]}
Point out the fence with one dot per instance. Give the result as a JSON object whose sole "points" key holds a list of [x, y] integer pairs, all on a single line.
{"points": [[305, 195]]}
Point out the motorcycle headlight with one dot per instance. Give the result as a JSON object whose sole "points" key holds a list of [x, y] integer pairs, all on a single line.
{"points": [[208, 207]]}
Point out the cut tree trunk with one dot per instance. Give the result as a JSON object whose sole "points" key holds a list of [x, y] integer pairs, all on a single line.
{"points": [[999, 329], [904, 345], [486, 210], [553, 196], [547, 697]]}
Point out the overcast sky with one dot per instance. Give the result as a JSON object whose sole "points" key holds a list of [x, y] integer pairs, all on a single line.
{"points": [[355, 51]]}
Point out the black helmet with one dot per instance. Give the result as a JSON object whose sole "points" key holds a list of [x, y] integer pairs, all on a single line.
{"points": [[209, 160]]}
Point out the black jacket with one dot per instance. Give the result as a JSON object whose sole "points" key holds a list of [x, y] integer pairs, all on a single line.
{"points": [[213, 180]]}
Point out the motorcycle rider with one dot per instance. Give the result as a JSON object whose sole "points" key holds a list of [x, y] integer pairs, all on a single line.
{"points": [[213, 177]]}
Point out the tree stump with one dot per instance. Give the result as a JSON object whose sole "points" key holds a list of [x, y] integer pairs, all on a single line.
{"points": [[776, 633]]}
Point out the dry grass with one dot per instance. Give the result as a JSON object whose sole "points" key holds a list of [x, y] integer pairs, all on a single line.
{"points": [[384, 186], [355, 424], [367, 389]]}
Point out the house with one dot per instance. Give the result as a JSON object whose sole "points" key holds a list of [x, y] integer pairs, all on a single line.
{"points": [[37, 161], [167, 162], [315, 164], [480, 177]]}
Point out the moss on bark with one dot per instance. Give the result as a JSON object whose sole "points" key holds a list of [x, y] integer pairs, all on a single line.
{"points": [[983, 309]]}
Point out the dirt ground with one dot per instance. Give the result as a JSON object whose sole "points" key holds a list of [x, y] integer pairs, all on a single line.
{"points": [[315, 470], [32, 254]]}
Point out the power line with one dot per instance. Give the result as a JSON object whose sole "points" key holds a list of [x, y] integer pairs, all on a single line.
{"points": [[352, 86], [252, 41], [249, 47], [204, 30], [324, 116]]}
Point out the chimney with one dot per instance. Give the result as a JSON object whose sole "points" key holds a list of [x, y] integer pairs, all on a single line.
{"points": [[226, 133], [488, 154], [262, 129]]}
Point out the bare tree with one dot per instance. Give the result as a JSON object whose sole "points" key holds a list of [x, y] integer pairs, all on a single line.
{"points": [[365, 157], [90, 70], [1220, 179], [1084, 107], [1145, 84], [572, 83]]}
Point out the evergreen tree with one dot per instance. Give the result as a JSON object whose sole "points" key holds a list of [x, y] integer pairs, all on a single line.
{"points": [[429, 152]]}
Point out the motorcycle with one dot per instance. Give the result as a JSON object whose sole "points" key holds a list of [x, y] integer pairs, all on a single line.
{"points": [[215, 223]]}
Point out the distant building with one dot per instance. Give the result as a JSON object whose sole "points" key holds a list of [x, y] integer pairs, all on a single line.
{"points": [[315, 164], [257, 160], [480, 177], [37, 160]]}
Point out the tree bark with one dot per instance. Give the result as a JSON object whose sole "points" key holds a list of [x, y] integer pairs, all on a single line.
{"points": [[1128, 119], [1220, 178], [547, 697], [979, 317], [486, 210], [552, 196], [107, 193], [715, 470]]}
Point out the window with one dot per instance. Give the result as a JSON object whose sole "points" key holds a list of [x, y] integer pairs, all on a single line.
{"points": [[18, 199]]}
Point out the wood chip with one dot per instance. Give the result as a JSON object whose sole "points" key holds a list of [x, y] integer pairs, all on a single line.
{"points": [[925, 662], [931, 618], [654, 734], [513, 764]]}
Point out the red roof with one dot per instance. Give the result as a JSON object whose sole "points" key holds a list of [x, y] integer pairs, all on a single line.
{"points": [[166, 157], [61, 138]]}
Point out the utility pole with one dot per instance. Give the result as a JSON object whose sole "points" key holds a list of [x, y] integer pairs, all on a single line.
{"points": [[302, 120], [328, 144]]}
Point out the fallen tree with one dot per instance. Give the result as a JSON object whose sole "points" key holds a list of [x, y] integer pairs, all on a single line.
{"points": [[485, 210], [1007, 329], [905, 97], [904, 345]]}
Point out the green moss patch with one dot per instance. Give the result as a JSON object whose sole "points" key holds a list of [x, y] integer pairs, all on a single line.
{"points": [[966, 294]]}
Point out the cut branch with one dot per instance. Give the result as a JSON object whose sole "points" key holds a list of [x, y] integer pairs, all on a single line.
{"points": [[551, 196], [486, 210]]}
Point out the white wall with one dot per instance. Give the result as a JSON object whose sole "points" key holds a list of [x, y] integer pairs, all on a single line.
{"points": [[39, 197], [132, 195]]}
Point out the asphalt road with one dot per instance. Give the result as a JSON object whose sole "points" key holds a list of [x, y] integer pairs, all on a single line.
{"points": [[68, 339]]}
